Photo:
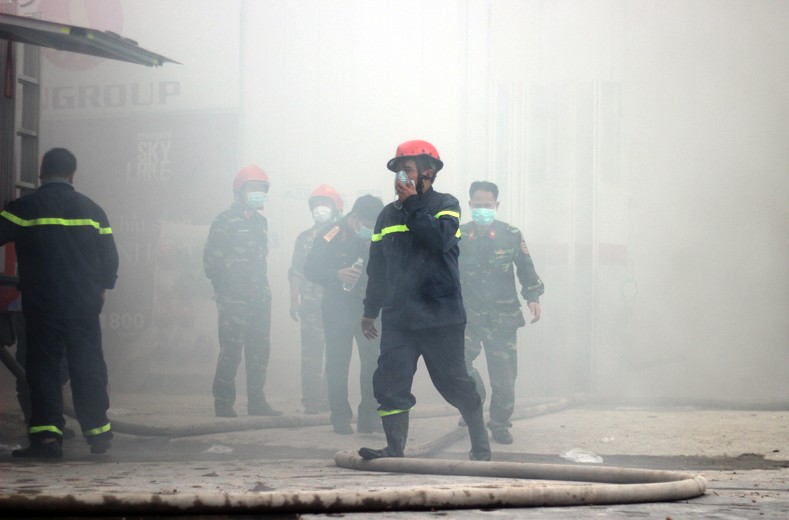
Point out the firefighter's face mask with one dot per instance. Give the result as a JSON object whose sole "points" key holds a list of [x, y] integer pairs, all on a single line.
{"points": [[255, 199], [321, 214]]}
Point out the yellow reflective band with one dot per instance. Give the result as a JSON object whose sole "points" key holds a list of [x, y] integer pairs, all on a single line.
{"points": [[48, 428], [450, 213], [56, 222], [401, 228], [384, 413], [97, 431]]}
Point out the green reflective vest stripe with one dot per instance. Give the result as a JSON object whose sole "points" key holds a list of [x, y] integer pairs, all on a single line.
{"points": [[56, 222], [384, 413], [97, 431], [48, 428], [402, 228]]}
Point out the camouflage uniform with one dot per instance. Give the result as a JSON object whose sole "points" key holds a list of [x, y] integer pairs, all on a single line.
{"points": [[235, 262], [313, 377], [493, 309]]}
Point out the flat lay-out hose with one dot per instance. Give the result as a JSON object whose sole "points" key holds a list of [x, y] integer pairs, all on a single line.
{"points": [[612, 485], [621, 486]]}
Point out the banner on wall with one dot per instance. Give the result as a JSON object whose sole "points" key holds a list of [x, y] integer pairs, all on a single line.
{"points": [[78, 85]]}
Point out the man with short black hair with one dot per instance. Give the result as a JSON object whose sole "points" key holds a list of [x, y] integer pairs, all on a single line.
{"points": [[492, 252], [67, 259]]}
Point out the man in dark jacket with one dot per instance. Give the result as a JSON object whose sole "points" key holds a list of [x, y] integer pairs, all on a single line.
{"points": [[67, 259], [414, 283], [492, 252], [335, 262], [235, 262]]}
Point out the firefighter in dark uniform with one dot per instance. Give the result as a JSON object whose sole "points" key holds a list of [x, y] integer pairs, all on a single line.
{"points": [[492, 252], [333, 262], [67, 259], [305, 300], [414, 283], [235, 262]]}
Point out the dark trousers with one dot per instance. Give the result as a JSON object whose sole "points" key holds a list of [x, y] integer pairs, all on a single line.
{"points": [[502, 357], [79, 339], [244, 328], [313, 341], [442, 350], [341, 323]]}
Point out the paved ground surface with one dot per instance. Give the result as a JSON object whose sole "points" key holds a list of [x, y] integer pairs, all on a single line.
{"points": [[744, 456]]}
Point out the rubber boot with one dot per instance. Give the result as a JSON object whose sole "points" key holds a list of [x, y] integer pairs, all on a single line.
{"points": [[480, 444], [396, 430]]}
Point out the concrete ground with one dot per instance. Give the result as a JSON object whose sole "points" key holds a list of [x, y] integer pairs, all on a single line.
{"points": [[179, 449]]}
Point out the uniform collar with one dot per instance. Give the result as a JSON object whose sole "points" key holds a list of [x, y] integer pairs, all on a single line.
{"points": [[476, 232]]}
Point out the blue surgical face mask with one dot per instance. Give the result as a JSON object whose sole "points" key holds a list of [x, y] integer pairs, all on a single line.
{"points": [[255, 199], [483, 216], [365, 233]]}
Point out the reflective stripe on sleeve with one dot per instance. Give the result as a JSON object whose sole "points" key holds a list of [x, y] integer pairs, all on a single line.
{"points": [[402, 228], [50, 221]]}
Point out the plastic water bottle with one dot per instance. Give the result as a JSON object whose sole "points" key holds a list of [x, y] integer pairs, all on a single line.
{"points": [[357, 265]]}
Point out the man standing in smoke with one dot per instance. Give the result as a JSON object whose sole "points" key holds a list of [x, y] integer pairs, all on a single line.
{"points": [[235, 262], [492, 252], [67, 260], [305, 300]]}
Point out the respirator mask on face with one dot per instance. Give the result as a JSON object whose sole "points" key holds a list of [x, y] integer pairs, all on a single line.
{"points": [[365, 233], [483, 216], [255, 199], [321, 214]]}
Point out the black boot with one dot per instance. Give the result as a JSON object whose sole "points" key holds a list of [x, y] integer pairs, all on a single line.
{"points": [[41, 450], [480, 445], [396, 430]]}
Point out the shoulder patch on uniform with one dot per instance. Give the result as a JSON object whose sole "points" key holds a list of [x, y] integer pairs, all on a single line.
{"points": [[524, 248], [329, 236]]}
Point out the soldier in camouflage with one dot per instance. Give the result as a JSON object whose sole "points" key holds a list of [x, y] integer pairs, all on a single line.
{"points": [[305, 301], [491, 254], [235, 262]]}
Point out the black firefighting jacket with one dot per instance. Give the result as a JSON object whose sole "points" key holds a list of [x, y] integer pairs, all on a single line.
{"points": [[489, 261], [413, 269], [65, 251], [336, 247]]}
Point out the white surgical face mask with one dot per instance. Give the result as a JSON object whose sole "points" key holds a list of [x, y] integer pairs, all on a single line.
{"points": [[255, 199], [321, 214]]}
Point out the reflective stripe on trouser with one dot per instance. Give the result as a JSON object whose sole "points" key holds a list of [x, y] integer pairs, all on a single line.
{"points": [[442, 350], [313, 377], [79, 340], [341, 327], [501, 355], [244, 327]]}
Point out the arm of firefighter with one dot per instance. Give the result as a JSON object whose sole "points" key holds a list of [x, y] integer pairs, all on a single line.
{"points": [[439, 232], [376, 275], [213, 254], [9, 230], [108, 253], [531, 284], [296, 278]]}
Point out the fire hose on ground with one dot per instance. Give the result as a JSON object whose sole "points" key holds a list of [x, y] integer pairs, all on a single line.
{"points": [[612, 485]]}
